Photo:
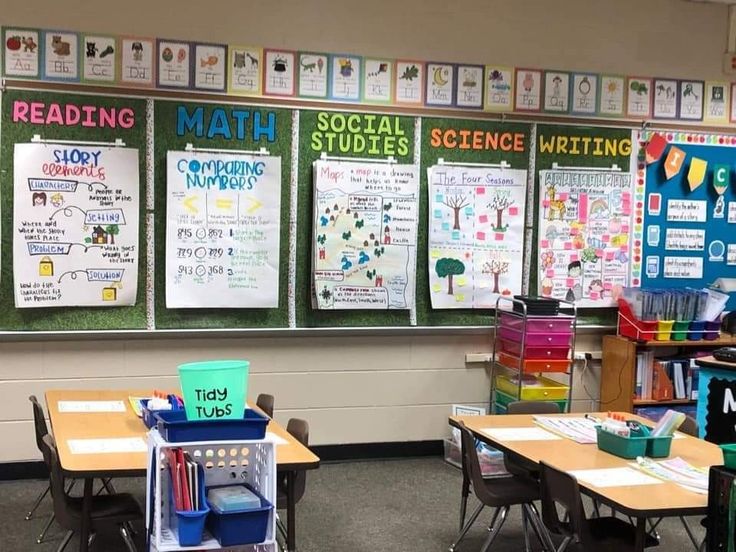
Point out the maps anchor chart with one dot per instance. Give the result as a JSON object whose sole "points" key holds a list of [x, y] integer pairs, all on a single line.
{"points": [[75, 223], [365, 234]]}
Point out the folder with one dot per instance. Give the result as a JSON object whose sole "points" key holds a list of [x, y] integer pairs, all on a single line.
{"points": [[661, 383], [175, 479], [182, 471]]}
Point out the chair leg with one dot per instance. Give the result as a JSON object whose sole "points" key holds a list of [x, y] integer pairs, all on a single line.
{"points": [[91, 540], [71, 486], [281, 527], [493, 518], [539, 529], [107, 484], [65, 541], [127, 538], [465, 529], [46, 527], [496, 529], [525, 528], [689, 532], [40, 497], [463, 509]]}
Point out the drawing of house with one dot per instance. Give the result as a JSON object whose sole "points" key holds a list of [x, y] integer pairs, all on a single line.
{"points": [[99, 236]]}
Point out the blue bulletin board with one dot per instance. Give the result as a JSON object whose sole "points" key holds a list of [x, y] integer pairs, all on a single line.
{"points": [[687, 201]]}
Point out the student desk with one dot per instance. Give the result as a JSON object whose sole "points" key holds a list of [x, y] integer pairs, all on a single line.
{"points": [[641, 502], [290, 457]]}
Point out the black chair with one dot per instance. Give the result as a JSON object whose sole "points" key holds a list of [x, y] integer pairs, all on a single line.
{"points": [[265, 403], [518, 466], [110, 509], [299, 429], [599, 534], [500, 493]]}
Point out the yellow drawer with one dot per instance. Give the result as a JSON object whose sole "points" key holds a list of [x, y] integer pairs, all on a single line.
{"points": [[533, 388]]}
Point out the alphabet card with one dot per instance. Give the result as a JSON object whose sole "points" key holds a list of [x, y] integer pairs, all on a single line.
{"points": [[75, 225], [409, 82], [279, 73], [61, 55], [313, 72], [21, 53], [612, 94], [174, 64], [666, 94], [245, 71], [469, 90], [345, 77], [691, 100], [379, 78], [639, 98], [210, 67], [137, 62], [716, 102], [584, 93], [99, 58], [528, 90], [556, 91], [440, 84], [499, 89]]}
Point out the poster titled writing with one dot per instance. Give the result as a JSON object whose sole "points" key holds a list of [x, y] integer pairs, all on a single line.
{"points": [[75, 225], [222, 230], [476, 235], [365, 235], [584, 228]]}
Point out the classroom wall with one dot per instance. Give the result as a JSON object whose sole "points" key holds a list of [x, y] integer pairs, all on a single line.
{"points": [[357, 389]]}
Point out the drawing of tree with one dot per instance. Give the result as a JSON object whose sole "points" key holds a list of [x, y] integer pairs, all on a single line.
{"points": [[447, 268], [499, 203], [496, 267], [456, 203], [112, 231]]}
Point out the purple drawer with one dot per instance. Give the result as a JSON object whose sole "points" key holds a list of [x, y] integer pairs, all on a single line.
{"points": [[559, 324], [536, 339], [514, 348]]}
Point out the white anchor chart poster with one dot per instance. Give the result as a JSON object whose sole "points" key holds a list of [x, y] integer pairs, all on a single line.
{"points": [[584, 229], [476, 235], [365, 235], [222, 230], [75, 226]]}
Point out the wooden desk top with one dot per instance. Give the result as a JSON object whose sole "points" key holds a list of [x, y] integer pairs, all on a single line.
{"points": [[639, 501], [711, 362], [105, 425]]}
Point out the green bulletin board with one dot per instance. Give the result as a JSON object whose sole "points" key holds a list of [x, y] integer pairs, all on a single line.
{"points": [[56, 116], [227, 127]]}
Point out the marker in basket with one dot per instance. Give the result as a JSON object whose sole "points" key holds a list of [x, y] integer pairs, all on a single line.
{"points": [[616, 424]]}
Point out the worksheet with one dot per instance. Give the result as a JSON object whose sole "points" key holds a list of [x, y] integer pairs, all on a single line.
{"points": [[75, 225]]}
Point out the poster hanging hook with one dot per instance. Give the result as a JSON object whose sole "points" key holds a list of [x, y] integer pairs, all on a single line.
{"points": [[502, 165], [118, 143], [613, 168], [261, 151], [390, 159]]}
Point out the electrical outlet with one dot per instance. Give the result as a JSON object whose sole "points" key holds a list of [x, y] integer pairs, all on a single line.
{"points": [[477, 357]]}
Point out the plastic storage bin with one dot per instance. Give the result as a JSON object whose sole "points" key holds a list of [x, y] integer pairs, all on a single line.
{"points": [[533, 353], [729, 455], [631, 447], [503, 400], [147, 415], [190, 524], [536, 339], [214, 389], [238, 527], [491, 460], [174, 427], [533, 388], [537, 324], [531, 366]]}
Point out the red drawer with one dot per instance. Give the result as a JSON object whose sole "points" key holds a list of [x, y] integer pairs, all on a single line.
{"points": [[533, 353], [536, 339], [538, 324], [530, 366]]}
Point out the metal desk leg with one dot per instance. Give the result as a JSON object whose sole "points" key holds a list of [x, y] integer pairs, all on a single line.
{"points": [[641, 534], [86, 506], [290, 512]]}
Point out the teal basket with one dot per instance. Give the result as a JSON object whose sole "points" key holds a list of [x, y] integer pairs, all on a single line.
{"points": [[631, 447], [729, 455], [214, 389]]}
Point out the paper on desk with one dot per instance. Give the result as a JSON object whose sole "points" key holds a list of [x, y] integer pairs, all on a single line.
{"points": [[520, 434], [614, 477], [270, 436], [579, 429], [105, 446], [91, 406]]}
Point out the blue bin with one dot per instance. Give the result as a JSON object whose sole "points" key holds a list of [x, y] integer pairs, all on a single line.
{"points": [[175, 428], [238, 527], [148, 415], [190, 523]]}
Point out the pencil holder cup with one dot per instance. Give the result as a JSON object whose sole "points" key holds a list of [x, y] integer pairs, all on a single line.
{"points": [[712, 330], [664, 329], [679, 330], [696, 330]]}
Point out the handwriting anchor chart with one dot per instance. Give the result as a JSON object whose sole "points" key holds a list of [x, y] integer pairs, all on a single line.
{"points": [[75, 221], [223, 222]]}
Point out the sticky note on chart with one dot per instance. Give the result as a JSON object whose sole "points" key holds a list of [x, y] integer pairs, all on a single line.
{"points": [[436, 288], [435, 254]]}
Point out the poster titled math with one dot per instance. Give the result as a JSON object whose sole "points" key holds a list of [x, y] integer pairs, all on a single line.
{"points": [[222, 230], [584, 229], [476, 235], [365, 235], [75, 225]]}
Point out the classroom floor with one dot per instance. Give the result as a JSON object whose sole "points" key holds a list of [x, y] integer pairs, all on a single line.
{"points": [[403, 505]]}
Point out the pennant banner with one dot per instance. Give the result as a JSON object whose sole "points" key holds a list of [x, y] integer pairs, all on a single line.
{"points": [[674, 161], [655, 148], [721, 176], [696, 173]]}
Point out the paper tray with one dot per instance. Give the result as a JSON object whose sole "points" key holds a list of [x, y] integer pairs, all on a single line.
{"points": [[175, 428]]}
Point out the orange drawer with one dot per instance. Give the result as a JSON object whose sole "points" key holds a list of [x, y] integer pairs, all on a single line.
{"points": [[530, 366]]}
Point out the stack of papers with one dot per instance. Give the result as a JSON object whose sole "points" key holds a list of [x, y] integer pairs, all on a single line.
{"points": [[519, 434], [91, 406], [581, 430], [614, 477], [676, 470], [107, 446]]}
